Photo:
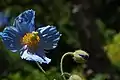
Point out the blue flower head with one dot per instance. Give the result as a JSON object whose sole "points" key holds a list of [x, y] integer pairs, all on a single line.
{"points": [[21, 37]]}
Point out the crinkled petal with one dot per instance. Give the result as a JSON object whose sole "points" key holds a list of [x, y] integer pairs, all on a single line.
{"points": [[12, 32], [49, 37], [38, 56], [11, 38], [25, 21]]}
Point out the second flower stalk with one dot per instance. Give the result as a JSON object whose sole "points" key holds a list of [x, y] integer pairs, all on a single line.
{"points": [[78, 56]]}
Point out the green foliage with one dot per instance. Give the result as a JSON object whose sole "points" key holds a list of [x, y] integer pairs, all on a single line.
{"points": [[106, 33], [34, 74], [112, 42], [113, 50], [100, 77]]}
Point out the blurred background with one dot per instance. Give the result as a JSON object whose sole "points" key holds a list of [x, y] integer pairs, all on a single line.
{"points": [[90, 25]]}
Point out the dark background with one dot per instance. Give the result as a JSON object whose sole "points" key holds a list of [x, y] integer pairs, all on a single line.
{"points": [[90, 25]]}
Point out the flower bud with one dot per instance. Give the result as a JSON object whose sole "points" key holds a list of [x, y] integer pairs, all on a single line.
{"points": [[80, 56], [75, 77]]}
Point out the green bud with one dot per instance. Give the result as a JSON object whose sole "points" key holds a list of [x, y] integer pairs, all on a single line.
{"points": [[75, 77], [80, 56]]}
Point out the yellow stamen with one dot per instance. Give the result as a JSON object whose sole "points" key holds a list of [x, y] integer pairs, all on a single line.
{"points": [[31, 40]]}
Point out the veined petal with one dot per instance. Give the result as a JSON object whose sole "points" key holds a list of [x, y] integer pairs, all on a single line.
{"points": [[49, 37], [38, 56], [25, 21], [11, 38], [12, 32]]}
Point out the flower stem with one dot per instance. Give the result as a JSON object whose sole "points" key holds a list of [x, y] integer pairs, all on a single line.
{"points": [[65, 73], [61, 63], [42, 70]]}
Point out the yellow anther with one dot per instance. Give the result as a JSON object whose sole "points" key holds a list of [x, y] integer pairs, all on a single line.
{"points": [[31, 40]]}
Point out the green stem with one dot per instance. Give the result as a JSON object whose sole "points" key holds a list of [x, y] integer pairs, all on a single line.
{"points": [[42, 70], [61, 63], [65, 73]]}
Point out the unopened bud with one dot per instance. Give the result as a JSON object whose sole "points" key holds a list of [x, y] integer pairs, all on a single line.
{"points": [[80, 56]]}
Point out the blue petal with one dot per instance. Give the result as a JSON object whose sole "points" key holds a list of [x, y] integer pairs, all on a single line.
{"points": [[11, 38], [49, 37], [12, 32], [37, 56], [25, 21]]}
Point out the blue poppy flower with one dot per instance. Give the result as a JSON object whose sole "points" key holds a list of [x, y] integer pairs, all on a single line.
{"points": [[21, 37]]}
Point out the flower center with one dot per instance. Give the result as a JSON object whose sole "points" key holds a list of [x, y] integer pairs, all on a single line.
{"points": [[31, 40]]}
